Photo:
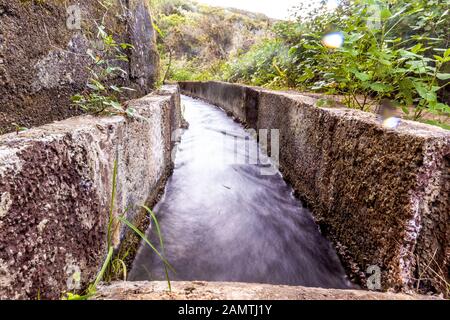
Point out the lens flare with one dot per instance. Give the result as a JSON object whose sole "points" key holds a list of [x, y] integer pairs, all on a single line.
{"points": [[391, 122], [333, 40]]}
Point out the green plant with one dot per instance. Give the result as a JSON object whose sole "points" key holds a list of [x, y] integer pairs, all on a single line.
{"points": [[117, 264], [101, 97], [376, 63], [195, 40], [265, 64], [392, 49], [432, 267], [18, 128]]}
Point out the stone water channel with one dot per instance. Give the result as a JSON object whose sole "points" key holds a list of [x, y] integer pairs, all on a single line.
{"points": [[222, 219]]}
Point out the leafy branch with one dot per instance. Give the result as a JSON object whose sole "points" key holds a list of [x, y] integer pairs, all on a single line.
{"points": [[100, 97]]}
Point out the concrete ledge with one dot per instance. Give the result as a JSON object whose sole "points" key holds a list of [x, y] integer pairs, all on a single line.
{"points": [[55, 189], [381, 195], [198, 290]]}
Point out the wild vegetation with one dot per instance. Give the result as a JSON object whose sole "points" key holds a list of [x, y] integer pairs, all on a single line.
{"points": [[367, 51], [114, 266], [195, 40], [108, 66], [101, 97]]}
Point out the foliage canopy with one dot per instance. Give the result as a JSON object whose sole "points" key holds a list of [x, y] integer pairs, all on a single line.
{"points": [[391, 50]]}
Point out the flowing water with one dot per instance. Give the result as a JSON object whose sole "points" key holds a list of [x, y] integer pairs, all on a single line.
{"points": [[224, 220]]}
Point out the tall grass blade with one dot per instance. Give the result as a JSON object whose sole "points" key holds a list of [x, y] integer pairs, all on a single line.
{"points": [[158, 230], [103, 269], [123, 266], [111, 207], [143, 237]]}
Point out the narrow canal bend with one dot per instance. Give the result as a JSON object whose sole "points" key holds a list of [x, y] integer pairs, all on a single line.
{"points": [[225, 221]]}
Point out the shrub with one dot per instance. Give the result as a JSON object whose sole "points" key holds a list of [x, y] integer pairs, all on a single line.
{"points": [[396, 50], [264, 64]]}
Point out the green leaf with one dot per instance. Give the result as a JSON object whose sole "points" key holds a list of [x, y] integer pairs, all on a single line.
{"points": [[122, 57], [405, 110], [114, 104], [416, 48], [408, 54], [19, 128], [126, 46], [363, 76], [380, 87], [91, 86], [442, 107], [424, 93], [130, 112], [385, 13], [435, 88], [438, 58], [420, 88], [101, 32], [385, 62], [157, 29], [417, 66], [325, 102], [115, 88], [77, 98], [308, 46], [447, 53], [443, 76], [96, 85]]}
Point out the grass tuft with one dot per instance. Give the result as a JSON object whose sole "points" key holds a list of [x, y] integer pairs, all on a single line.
{"points": [[117, 263]]}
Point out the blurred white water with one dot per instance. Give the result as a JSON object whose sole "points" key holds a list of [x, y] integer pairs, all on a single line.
{"points": [[226, 221]]}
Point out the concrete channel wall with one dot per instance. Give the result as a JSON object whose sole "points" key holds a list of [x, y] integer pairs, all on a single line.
{"points": [[43, 60], [55, 191], [381, 195]]}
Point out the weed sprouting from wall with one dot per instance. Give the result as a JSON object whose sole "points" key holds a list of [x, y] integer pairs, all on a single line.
{"points": [[113, 264], [100, 97]]}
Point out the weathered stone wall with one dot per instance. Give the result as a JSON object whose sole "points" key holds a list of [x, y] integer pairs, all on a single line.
{"points": [[381, 195], [43, 62], [199, 290], [55, 190]]}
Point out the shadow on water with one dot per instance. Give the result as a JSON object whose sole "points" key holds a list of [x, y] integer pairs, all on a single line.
{"points": [[225, 221]]}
